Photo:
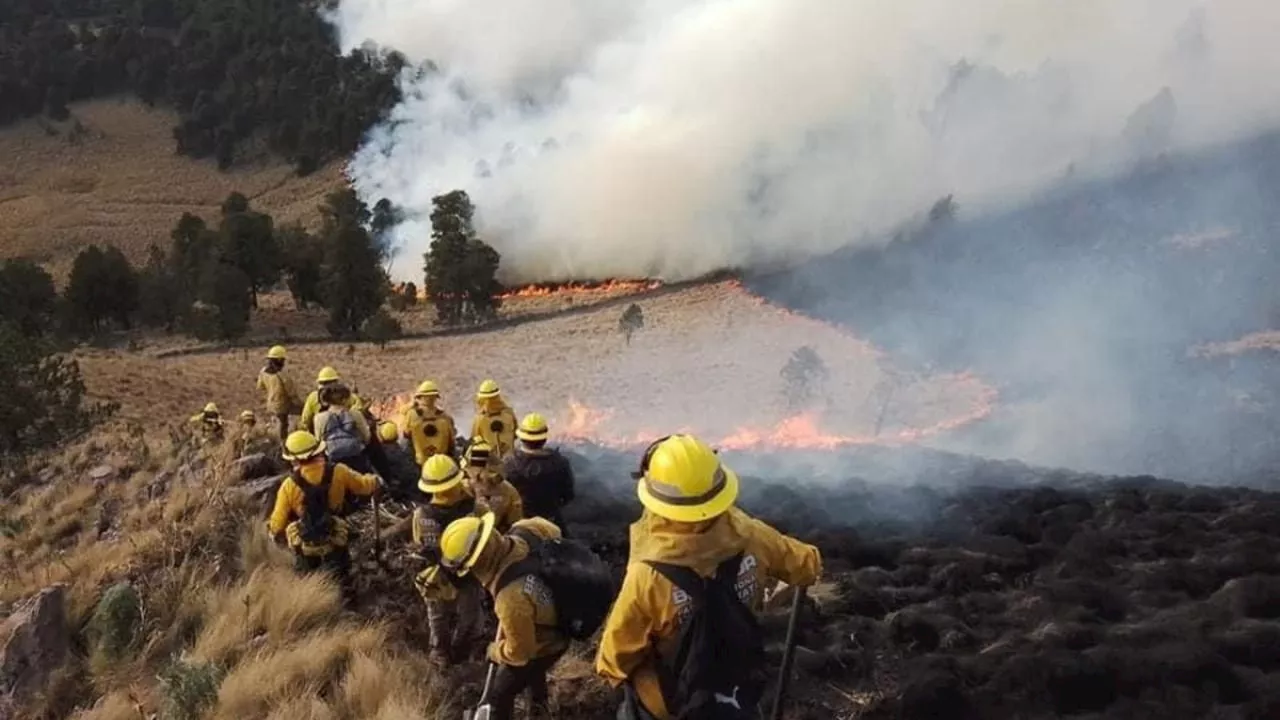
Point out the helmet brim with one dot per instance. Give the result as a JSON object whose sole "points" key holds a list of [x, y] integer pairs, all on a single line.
{"points": [[712, 508], [448, 484], [313, 452], [486, 531], [531, 436]]}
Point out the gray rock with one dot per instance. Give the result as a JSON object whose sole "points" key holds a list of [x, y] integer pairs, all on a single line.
{"points": [[34, 642]]}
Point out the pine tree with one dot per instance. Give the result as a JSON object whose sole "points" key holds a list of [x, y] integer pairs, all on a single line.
{"points": [[461, 270], [353, 283]]}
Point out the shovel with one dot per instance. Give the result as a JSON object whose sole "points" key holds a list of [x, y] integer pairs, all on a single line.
{"points": [[483, 710], [788, 654]]}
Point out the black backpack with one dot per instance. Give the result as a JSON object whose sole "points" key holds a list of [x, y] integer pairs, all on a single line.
{"points": [[581, 583], [718, 669], [316, 523]]}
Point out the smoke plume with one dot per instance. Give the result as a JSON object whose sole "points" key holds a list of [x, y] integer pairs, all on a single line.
{"points": [[670, 138]]}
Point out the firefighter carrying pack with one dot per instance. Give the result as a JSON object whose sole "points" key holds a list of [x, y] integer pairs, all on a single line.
{"points": [[717, 671], [341, 438], [316, 524], [581, 583]]}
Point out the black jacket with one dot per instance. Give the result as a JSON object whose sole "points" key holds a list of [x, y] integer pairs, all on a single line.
{"points": [[544, 479]]}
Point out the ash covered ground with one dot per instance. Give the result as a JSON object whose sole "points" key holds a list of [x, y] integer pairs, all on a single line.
{"points": [[1084, 309], [959, 587]]}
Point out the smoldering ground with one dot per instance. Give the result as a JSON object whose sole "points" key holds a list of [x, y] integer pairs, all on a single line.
{"points": [[670, 138], [1085, 308]]}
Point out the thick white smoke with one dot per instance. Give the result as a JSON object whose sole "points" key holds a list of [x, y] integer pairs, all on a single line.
{"points": [[669, 138]]}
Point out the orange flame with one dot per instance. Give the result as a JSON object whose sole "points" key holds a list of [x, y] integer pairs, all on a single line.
{"points": [[609, 287]]}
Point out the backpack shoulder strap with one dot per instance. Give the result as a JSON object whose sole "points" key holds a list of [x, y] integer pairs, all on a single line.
{"points": [[327, 478], [682, 577]]}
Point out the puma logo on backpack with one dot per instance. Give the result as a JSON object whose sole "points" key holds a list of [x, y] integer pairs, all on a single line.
{"points": [[580, 582], [717, 671]]}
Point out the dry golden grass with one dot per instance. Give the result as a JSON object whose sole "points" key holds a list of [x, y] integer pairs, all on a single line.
{"points": [[708, 359], [216, 593], [122, 184]]}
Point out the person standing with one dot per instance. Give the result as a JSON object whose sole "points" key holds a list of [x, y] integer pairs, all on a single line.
{"points": [[280, 394]]}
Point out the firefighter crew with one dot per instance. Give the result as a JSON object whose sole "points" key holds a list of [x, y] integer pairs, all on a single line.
{"points": [[343, 427], [529, 643], [492, 492], [430, 429], [689, 519], [402, 472], [541, 475], [454, 605], [326, 377], [208, 424], [306, 512], [280, 394], [495, 421]]}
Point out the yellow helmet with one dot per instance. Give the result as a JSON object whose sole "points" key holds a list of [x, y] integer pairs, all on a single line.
{"points": [[488, 389], [532, 428], [327, 375], [462, 542], [682, 479], [478, 454], [439, 473], [210, 409], [276, 352], [388, 432], [247, 416], [302, 445], [427, 389]]}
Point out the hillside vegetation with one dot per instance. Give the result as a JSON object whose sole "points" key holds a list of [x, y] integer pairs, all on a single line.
{"points": [[117, 183]]}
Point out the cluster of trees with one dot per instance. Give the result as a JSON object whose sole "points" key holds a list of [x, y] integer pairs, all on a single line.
{"points": [[44, 392], [208, 280], [236, 71]]}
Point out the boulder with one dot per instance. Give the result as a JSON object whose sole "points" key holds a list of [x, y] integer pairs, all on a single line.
{"points": [[101, 475], [34, 642]]}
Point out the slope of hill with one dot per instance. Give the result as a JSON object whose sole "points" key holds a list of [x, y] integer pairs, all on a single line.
{"points": [[708, 359], [110, 176]]}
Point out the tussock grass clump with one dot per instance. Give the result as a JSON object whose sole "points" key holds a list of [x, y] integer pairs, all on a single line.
{"points": [[273, 604], [189, 688], [113, 629]]}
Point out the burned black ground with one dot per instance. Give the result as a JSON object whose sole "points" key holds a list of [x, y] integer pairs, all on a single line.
{"points": [[1002, 591]]}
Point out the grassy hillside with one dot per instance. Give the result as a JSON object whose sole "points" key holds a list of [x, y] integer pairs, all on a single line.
{"points": [[712, 346], [117, 181]]}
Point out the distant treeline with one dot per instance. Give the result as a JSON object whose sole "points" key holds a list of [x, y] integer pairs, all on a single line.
{"points": [[241, 74], [207, 280]]}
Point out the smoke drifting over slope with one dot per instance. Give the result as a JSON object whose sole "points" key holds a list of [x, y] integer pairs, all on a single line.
{"points": [[669, 138]]}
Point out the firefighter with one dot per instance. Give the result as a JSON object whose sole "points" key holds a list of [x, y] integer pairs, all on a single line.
{"points": [[402, 472], [495, 421], [430, 429], [541, 475], [689, 520], [454, 605], [251, 439], [492, 492], [308, 504], [208, 425], [529, 643], [280, 394], [325, 378], [343, 427]]}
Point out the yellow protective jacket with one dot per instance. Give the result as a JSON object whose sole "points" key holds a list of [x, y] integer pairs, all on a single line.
{"points": [[644, 620], [289, 498], [306, 421], [280, 394], [501, 498], [431, 433], [525, 609], [503, 441]]}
